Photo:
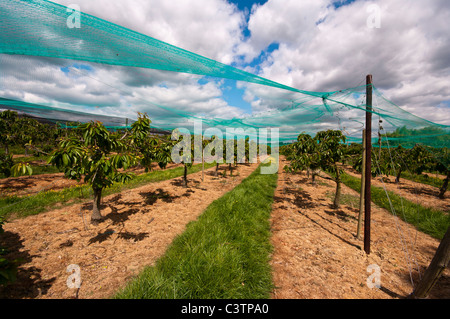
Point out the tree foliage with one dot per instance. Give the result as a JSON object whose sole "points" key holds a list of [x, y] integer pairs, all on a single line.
{"points": [[324, 151]]}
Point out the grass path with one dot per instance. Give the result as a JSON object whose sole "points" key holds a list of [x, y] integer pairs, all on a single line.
{"points": [[224, 254]]}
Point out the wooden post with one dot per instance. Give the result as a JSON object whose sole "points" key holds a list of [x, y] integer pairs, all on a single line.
{"points": [[203, 164], [363, 179], [368, 172], [435, 269]]}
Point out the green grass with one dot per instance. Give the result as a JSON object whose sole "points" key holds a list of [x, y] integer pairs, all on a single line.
{"points": [[224, 254], [430, 221], [31, 205], [428, 179]]}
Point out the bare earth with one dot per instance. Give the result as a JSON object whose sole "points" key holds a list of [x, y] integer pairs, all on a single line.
{"points": [[139, 226], [316, 254]]}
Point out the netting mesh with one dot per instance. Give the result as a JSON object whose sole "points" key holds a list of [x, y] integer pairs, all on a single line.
{"points": [[39, 28], [61, 116]]}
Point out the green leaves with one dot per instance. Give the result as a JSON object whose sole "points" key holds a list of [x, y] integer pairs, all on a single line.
{"points": [[21, 169], [323, 151]]}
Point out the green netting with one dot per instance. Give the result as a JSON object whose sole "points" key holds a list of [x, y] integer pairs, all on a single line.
{"points": [[62, 116], [39, 28]]}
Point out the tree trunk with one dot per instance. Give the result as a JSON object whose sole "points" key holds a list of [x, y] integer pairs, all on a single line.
{"points": [[397, 179], [337, 197], [231, 169], [435, 269], [185, 175], [217, 169], [96, 216], [443, 189]]}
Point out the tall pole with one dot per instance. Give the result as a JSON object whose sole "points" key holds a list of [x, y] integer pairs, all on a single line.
{"points": [[368, 172], [361, 196]]}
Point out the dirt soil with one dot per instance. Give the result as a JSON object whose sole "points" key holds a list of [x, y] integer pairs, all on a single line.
{"points": [[31, 185], [139, 225], [317, 256]]}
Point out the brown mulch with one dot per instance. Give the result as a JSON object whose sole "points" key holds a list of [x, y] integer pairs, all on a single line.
{"points": [[316, 254], [139, 225]]}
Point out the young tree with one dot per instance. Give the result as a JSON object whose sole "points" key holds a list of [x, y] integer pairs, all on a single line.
{"points": [[304, 155], [413, 160], [97, 156], [183, 150], [331, 153], [324, 151], [149, 149]]}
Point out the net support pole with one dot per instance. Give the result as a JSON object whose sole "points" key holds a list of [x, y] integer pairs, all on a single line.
{"points": [[368, 168], [361, 196]]}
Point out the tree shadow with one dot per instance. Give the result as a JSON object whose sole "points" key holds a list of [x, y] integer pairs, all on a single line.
{"points": [[151, 197], [391, 293], [216, 173], [420, 191], [29, 282], [134, 237], [101, 237], [340, 214], [301, 199], [120, 218], [180, 182], [18, 184]]}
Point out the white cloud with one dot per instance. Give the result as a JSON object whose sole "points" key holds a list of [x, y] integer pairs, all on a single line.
{"points": [[408, 56], [211, 28]]}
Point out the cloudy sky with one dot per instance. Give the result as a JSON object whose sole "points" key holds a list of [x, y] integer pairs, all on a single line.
{"points": [[314, 45]]}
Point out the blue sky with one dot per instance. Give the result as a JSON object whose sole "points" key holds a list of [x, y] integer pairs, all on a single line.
{"points": [[247, 4]]}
